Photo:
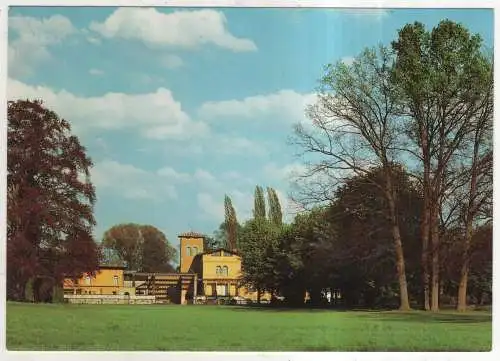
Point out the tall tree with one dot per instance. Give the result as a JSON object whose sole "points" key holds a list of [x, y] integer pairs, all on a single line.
{"points": [[355, 127], [274, 206], [141, 247], [231, 223], [259, 209], [50, 199], [441, 76]]}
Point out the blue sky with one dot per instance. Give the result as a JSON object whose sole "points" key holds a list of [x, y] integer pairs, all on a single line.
{"points": [[179, 106]]}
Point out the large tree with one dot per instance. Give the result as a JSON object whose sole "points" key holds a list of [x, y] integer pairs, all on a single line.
{"points": [[50, 200], [442, 77], [355, 127], [142, 247]]}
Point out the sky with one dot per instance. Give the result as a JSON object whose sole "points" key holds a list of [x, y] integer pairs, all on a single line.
{"points": [[179, 106]]}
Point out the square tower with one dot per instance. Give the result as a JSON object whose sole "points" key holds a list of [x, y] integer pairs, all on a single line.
{"points": [[191, 244]]}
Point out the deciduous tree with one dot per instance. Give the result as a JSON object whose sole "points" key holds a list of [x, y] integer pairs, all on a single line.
{"points": [[50, 200]]}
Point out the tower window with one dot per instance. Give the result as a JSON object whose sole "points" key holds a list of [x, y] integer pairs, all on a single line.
{"points": [[225, 271], [195, 251], [218, 270], [188, 251], [115, 280]]}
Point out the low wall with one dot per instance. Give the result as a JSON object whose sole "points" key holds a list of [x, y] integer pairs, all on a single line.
{"points": [[110, 299]]}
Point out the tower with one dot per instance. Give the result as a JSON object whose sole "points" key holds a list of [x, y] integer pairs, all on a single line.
{"points": [[191, 244]]}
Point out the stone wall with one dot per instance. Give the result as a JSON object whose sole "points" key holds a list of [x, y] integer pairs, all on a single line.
{"points": [[109, 299]]}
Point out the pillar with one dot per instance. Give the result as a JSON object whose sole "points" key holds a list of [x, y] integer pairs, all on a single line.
{"points": [[195, 288], [183, 296]]}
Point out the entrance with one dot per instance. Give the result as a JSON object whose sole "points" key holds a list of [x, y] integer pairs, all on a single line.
{"points": [[221, 290]]}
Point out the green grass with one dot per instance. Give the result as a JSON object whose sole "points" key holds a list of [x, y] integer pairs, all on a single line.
{"points": [[225, 328]]}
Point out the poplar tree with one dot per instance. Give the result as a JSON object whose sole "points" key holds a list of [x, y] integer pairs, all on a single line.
{"points": [[275, 212], [231, 223], [259, 210]]}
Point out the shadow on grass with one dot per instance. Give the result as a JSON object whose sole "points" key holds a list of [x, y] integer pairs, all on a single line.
{"points": [[426, 317], [386, 315]]}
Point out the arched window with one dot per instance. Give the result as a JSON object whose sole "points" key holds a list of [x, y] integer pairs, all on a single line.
{"points": [[87, 280], [225, 270], [195, 251], [188, 251], [115, 280], [218, 270]]}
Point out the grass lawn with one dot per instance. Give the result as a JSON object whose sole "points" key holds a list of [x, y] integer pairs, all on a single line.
{"points": [[226, 328]]}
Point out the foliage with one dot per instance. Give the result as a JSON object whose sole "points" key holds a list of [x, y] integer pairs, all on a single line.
{"points": [[274, 206], [231, 224], [259, 209], [141, 247], [50, 199]]}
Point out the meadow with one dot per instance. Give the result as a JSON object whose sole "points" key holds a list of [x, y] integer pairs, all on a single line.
{"points": [[233, 328]]}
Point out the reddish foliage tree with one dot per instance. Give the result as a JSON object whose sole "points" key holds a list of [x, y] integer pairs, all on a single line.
{"points": [[50, 199]]}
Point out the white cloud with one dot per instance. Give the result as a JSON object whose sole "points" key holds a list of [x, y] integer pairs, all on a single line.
{"points": [[34, 37], [347, 60], [186, 29], [285, 104], [130, 182], [171, 61], [365, 13], [155, 115], [174, 176], [212, 208], [96, 72], [283, 173]]}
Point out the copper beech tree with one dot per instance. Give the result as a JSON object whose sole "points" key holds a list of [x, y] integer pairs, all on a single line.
{"points": [[50, 201]]}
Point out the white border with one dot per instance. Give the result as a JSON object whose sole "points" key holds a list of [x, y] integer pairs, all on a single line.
{"points": [[236, 355]]}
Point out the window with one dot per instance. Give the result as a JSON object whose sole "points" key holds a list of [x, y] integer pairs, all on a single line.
{"points": [[87, 280], [115, 280], [225, 271], [188, 251], [218, 270], [195, 251]]}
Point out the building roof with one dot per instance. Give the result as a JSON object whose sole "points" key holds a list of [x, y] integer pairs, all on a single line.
{"points": [[191, 234], [222, 249]]}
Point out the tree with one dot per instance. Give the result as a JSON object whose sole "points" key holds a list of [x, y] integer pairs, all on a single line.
{"points": [[142, 247], [231, 223], [50, 200], [259, 209], [274, 206], [363, 252], [441, 76], [157, 253], [257, 237], [355, 127]]}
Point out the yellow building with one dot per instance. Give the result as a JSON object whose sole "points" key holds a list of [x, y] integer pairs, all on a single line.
{"points": [[108, 280], [218, 271], [213, 275]]}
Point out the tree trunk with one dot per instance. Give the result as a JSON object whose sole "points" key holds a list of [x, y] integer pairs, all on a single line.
{"points": [[435, 257], [425, 253], [425, 229], [398, 246], [464, 271]]}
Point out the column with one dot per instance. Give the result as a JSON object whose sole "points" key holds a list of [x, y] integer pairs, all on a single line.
{"points": [[195, 288]]}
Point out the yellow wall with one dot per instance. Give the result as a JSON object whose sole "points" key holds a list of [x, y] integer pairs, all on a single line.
{"points": [[211, 262], [101, 283], [186, 260]]}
